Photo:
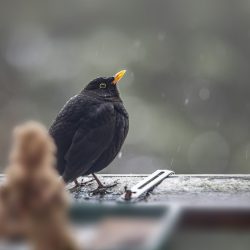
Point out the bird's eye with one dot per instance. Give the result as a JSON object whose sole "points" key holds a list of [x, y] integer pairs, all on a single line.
{"points": [[103, 85]]}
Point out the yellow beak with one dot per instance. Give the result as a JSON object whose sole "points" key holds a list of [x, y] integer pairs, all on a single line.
{"points": [[118, 76]]}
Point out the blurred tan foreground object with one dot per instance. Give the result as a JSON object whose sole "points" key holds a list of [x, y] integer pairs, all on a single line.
{"points": [[33, 202]]}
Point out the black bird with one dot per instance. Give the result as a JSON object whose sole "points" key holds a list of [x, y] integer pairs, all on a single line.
{"points": [[90, 129]]}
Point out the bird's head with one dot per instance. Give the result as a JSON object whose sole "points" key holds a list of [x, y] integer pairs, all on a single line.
{"points": [[105, 87]]}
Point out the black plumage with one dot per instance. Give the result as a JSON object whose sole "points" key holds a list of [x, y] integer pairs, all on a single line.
{"points": [[90, 129]]}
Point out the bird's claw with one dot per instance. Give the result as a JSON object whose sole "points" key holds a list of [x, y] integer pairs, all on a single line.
{"points": [[78, 186], [102, 189]]}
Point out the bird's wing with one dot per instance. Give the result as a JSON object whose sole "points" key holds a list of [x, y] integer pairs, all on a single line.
{"points": [[65, 126], [92, 137]]}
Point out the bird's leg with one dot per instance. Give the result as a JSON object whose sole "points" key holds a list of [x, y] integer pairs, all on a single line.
{"points": [[77, 184], [100, 185], [75, 188], [101, 189]]}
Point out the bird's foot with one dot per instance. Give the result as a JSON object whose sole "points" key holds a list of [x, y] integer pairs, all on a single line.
{"points": [[103, 189], [78, 185]]}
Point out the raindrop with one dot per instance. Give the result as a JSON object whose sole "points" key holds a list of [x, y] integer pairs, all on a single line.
{"points": [[120, 155], [172, 161], [204, 94], [186, 101]]}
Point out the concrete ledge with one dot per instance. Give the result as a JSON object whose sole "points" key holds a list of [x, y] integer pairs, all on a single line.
{"points": [[184, 189]]}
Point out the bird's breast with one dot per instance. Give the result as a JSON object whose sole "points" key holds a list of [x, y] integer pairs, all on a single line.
{"points": [[119, 135]]}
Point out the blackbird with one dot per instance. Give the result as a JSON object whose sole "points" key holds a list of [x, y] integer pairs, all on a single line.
{"points": [[90, 129]]}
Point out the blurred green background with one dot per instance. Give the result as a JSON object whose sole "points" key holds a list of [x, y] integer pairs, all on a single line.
{"points": [[187, 86]]}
